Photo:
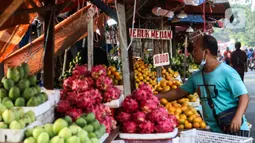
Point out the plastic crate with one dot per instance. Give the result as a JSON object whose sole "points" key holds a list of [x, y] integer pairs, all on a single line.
{"points": [[197, 136]]}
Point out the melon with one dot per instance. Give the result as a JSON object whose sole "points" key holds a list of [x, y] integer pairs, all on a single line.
{"points": [[8, 84], [21, 72], [23, 84], [26, 69], [14, 93], [32, 79]]}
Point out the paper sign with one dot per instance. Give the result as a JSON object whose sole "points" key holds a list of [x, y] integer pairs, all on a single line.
{"points": [[161, 60], [150, 34]]}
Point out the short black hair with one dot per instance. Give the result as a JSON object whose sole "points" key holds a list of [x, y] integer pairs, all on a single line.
{"points": [[237, 45], [210, 43]]}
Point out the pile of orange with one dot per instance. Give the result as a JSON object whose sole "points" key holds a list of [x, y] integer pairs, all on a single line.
{"points": [[186, 115], [143, 74], [167, 85], [169, 74], [114, 75]]}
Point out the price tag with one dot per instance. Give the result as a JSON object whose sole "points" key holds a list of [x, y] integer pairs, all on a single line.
{"points": [[161, 60]]}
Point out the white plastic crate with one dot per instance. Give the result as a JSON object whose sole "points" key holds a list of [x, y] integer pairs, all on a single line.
{"points": [[47, 117], [115, 103], [197, 136], [15, 136], [155, 136], [103, 138]]}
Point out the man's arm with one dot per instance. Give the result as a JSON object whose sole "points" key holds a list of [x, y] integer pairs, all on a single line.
{"points": [[241, 109], [173, 94]]}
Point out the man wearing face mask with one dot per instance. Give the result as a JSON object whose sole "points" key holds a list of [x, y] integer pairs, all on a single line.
{"points": [[223, 95]]}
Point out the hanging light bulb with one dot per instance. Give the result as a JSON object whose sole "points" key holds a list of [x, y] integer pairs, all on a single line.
{"points": [[98, 31], [182, 14], [111, 22], [190, 30]]}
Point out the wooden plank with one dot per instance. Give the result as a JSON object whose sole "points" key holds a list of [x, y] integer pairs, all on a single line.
{"points": [[90, 44], [124, 52], [67, 32], [49, 44], [10, 10], [112, 135]]}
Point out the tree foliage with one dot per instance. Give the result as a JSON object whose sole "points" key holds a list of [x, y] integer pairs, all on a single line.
{"points": [[245, 35]]}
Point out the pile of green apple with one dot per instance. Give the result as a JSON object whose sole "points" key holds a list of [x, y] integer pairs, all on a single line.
{"points": [[19, 88], [15, 118], [85, 129]]}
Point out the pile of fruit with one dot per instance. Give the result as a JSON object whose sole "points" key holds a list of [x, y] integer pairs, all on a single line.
{"points": [[143, 74], [187, 116], [169, 74], [167, 85], [20, 89], [86, 91], [177, 64], [15, 118], [141, 113], [114, 75], [86, 129]]}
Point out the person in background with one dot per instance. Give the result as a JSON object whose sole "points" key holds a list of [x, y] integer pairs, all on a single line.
{"points": [[221, 85], [239, 60], [227, 56]]}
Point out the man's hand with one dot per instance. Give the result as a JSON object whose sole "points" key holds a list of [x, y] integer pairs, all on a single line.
{"points": [[236, 124]]}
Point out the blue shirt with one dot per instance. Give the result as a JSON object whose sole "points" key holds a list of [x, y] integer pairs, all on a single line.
{"points": [[229, 86]]}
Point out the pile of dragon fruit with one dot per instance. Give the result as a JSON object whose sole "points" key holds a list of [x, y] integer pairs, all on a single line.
{"points": [[141, 113], [86, 91]]}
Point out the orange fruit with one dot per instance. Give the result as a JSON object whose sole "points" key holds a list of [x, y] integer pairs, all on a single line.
{"points": [[184, 108], [188, 112], [141, 77], [181, 126], [109, 73], [181, 121], [166, 88], [188, 125], [183, 116], [119, 77], [181, 100], [186, 121], [112, 69], [177, 117], [176, 105], [191, 118], [172, 109], [203, 125], [168, 105], [196, 125], [174, 87], [197, 120], [163, 101], [116, 73], [178, 110]]}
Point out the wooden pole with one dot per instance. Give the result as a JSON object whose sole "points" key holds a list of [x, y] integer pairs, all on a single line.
{"points": [[124, 52], [1, 71], [90, 44], [49, 44], [10, 10]]}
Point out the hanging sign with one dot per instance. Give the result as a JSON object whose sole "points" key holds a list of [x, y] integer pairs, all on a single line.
{"points": [[150, 34], [161, 60]]}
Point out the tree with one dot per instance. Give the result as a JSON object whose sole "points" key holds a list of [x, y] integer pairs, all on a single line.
{"points": [[245, 35]]}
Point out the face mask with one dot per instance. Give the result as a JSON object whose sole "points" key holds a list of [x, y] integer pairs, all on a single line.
{"points": [[203, 62]]}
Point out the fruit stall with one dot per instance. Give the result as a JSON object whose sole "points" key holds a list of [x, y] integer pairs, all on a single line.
{"points": [[98, 103]]}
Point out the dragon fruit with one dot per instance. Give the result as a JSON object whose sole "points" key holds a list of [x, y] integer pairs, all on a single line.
{"points": [[98, 71], [88, 99], [129, 104], [138, 117], [129, 127], [173, 120], [111, 93], [63, 106], [80, 71], [123, 117], [90, 82], [104, 82], [146, 88], [80, 85], [140, 94], [164, 126], [74, 113], [146, 127], [158, 115], [148, 105], [71, 97], [68, 83]]}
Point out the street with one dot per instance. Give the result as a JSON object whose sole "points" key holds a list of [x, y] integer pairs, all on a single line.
{"points": [[249, 81]]}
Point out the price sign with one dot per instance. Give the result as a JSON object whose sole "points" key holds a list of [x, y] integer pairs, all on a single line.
{"points": [[161, 60]]}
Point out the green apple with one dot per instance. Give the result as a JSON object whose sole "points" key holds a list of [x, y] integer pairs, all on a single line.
{"points": [[73, 139], [58, 125], [65, 133], [37, 131], [57, 139], [49, 129], [43, 138]]}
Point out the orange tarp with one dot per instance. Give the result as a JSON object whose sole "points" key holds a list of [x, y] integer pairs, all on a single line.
{"points": [[10, 38], [67, 33]]}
